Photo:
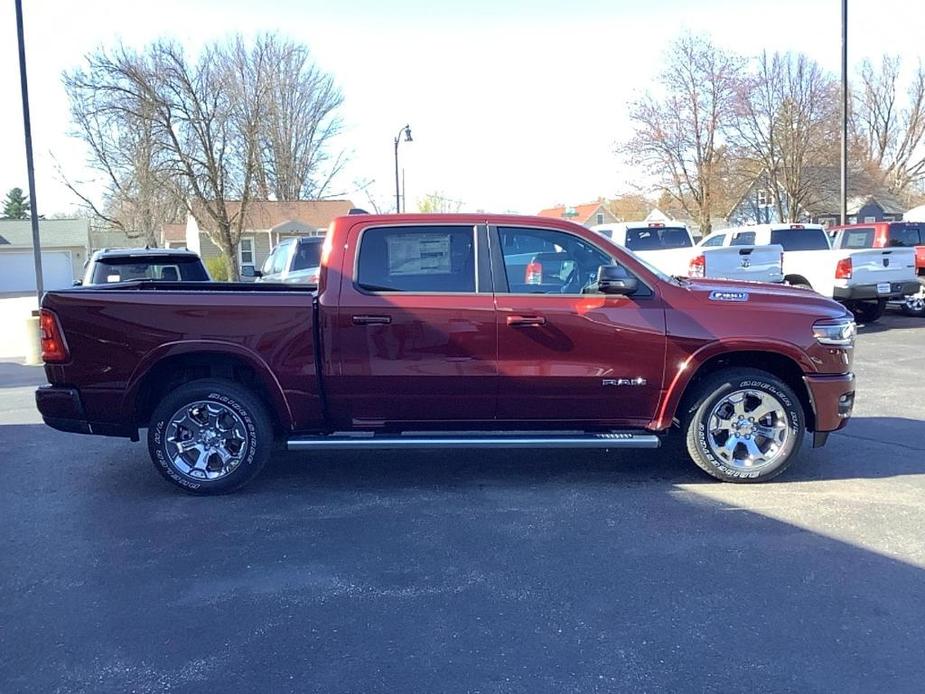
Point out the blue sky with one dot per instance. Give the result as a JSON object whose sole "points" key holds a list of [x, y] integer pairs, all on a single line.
{"points": [[514, 106]]}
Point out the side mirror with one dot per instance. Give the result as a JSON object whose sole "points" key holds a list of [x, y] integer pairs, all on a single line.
{"points": [[613, 279], [78, 283]]}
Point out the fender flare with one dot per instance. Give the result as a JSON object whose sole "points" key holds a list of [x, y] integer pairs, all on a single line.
{"points": [[691, 366], [191, 347]]}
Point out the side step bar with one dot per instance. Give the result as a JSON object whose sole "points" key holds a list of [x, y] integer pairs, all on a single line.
{"points": [[616, 439]]}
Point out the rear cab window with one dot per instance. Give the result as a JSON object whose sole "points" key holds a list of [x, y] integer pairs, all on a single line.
{"points": [[800, 239], [429, 259], [906, 236], [857, 238], [656, 238], [168, 269], [743, 238]]}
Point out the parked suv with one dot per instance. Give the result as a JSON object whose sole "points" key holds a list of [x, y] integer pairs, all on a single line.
{"points": [[293, 261], [111, 265], [890, 235]]}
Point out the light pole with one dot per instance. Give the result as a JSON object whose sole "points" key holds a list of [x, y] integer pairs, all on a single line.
{"points": [[30, 166], [844, 112], [407, 131]]}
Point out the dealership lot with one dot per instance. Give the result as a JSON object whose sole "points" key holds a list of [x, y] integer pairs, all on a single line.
{"points": [[472, 571]]}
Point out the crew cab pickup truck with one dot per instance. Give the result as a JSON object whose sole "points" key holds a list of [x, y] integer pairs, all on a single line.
{"points": [[890, 235], [862, 280], [424, 332], [293, 261], [671, 249]]}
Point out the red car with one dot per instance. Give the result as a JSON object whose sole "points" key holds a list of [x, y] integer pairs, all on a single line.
{"points": [[430, 331], [889, 235]]}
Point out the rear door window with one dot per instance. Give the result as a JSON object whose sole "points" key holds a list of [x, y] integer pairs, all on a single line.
{"points": [[800, 239], [657, 238], [431, 259]]}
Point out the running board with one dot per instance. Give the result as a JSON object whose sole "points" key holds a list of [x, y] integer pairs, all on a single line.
{"points": [[616, 439]]}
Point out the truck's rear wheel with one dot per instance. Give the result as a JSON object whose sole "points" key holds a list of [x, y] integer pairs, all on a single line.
{"points": [[867, 311], [743, 425], [914, 304], [210, 436]]}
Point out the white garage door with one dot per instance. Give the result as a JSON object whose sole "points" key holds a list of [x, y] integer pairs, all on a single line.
{"points": [[17, 270]]}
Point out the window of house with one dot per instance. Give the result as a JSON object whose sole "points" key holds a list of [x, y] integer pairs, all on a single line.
{"points": [[600, 218], [417, 259], [246, 252], [764, 198], [561, 264], [869, 219]]}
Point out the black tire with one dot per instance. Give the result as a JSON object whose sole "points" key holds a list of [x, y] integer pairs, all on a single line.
{"points": [[250, 440], [914, 304], [713, 392], [868, 311]]}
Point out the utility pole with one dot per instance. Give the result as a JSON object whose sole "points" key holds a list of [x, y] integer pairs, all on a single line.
{"points": [[30, 165], [844, 111]]}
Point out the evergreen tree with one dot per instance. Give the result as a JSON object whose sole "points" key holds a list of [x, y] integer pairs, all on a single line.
{"points": [[16, 205]]}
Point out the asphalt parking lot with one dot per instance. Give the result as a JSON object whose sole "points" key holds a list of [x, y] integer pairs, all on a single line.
{"points": [[539, 571]]}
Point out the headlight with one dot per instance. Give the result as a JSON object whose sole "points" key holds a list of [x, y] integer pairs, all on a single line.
{"points": [[839, 332]]}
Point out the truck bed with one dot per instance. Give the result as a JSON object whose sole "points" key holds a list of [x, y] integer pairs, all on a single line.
{"points": [[116, 334]]}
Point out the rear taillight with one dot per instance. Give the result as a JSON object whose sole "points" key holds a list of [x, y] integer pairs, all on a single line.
{"points": [[54, 348], [534, 273], [843, 269], [697, 267]]}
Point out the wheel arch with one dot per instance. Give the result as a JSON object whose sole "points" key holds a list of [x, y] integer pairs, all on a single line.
{"points": [[171, 365], [794, 278], [786, 365]]}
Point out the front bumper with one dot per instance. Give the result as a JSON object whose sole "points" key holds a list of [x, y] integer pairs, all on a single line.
{"points": [[832, 399], [867, 292]]}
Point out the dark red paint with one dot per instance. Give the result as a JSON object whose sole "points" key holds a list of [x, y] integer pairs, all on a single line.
{"points": [[361, 360]]}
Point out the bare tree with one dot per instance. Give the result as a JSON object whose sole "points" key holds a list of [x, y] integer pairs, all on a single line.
{"points": [[678, 135], [890, 125], [437, 202], [299, 123], [138, 197], [208, 131], [786, 126]]}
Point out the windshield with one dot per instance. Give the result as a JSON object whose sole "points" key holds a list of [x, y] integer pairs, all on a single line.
{"points": [[800, 239], [657, 238], [164, 268]]}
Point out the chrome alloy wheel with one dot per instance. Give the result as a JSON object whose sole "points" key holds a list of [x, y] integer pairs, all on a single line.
{"points": [[206, 440], [748, 429], [915, 302]]}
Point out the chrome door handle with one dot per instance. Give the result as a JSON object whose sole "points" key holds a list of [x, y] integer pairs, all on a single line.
{"points": [[371, 320], [525, 321]]}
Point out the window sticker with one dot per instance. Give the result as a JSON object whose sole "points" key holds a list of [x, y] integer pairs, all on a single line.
{"points": [[415, 254]]}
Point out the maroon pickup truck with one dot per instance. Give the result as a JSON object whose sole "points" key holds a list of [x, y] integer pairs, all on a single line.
{"points": [[430, 331]]}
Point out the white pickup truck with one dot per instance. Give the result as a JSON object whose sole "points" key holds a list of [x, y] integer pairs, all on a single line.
{"points": [[862, 280], [670, 248]]}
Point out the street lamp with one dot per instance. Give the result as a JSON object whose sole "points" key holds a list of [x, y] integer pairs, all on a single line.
{"points": [[407, 131]]}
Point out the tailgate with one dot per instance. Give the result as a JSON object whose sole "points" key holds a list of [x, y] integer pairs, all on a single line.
{"points": [[671, 261], [756, 263], [880, 265]]}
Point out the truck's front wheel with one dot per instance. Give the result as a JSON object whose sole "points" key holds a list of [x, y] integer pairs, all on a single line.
{"points": [[743, 425], [210, 436]]}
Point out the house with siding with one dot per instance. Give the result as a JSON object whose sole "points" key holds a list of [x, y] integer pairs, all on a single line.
{"points": [[266, 223], [868, 200], [65, 245], [588, 214]]}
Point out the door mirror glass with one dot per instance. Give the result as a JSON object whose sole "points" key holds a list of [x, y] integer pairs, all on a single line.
{"points": [[614, 279]]}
